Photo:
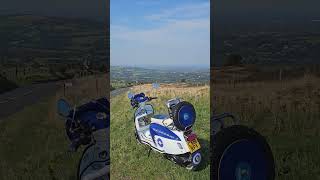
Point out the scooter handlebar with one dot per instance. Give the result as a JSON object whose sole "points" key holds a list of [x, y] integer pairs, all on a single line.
{"points": [[151, 98], [135, 103]]}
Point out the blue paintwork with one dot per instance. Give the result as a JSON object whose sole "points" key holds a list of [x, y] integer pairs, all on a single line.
{"points": [[244, 155], [141, 97], [187, 116], [160, 116], [160, 143], [88, 115], [90, 118], [156, 129]]}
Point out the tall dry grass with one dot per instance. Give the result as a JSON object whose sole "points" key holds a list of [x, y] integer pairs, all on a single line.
{"points": [[81, 91], [287, 113], [278, 107]]}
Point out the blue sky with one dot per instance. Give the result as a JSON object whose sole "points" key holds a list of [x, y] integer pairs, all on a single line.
{"points": [[160, 32]]}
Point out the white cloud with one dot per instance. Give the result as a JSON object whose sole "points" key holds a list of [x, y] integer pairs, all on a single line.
{"points": [[184, 41], [173, 29], [186, 11]]}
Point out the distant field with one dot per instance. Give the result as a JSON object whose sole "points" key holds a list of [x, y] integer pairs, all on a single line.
{"points": [[119, 84], [286, 112], [33, 141], [257, 73], [124, 74], [129, 160]]}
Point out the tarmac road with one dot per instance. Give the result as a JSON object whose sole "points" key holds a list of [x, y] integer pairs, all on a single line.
{"points": [[119, 91], [15, 100]]}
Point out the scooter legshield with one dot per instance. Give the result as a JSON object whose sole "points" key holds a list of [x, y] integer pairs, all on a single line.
{"points": [[94, 162], [156, 129], [168, 141]]}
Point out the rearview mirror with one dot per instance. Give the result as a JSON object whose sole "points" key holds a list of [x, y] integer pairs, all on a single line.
{"points": [[130, 95], [63, 108], [155, 85]]}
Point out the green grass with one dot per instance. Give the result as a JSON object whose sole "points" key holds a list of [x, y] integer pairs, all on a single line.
{"points": [[296, 157], [34, 145], [129, 160]]}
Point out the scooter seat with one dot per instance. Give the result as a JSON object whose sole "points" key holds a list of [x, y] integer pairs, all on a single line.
{"points": [[158, 118], [161, 119]]}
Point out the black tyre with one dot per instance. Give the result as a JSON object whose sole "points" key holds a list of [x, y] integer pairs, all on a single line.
{"points": [[240, 153], [184, 115]]}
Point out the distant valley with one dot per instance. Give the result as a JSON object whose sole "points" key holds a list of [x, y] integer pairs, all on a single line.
{"points": [[39, 48], [122, 76]]}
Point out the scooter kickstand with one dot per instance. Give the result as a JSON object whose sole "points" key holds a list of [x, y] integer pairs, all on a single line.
{"points": [[149, 152]]}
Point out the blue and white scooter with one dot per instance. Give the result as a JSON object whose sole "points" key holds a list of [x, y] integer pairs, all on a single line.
{"points": [[170, 134], [88, 125]]}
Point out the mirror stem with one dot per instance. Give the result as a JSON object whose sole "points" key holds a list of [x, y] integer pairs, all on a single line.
{"points": [[74, 112]]}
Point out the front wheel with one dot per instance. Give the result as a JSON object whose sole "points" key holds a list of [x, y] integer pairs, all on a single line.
{"points": [[241, 153]]}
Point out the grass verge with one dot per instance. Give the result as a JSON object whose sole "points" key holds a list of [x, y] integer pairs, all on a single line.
{"points": [[34, 145]]}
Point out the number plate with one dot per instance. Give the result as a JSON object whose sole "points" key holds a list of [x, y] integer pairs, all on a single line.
{"points": [[194, 145]]}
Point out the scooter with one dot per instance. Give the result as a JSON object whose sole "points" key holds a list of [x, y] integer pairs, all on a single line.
{"points": [[170, 135], [88, 125]]}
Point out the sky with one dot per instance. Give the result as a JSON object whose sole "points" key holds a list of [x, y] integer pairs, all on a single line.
{"points": [[87, 9], [160, 33]]}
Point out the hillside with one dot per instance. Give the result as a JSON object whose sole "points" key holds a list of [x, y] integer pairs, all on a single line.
{"points": [[49, 37], [39, 48], [268, 45], [126, 76]]}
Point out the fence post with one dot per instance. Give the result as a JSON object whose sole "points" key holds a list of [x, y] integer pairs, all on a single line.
{"points": [[280, 74], [234, 80], [97, 87], [64, 89]]}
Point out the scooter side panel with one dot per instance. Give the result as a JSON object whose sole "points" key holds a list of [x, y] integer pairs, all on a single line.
{"points": [[156, 129], [167, 141]]}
